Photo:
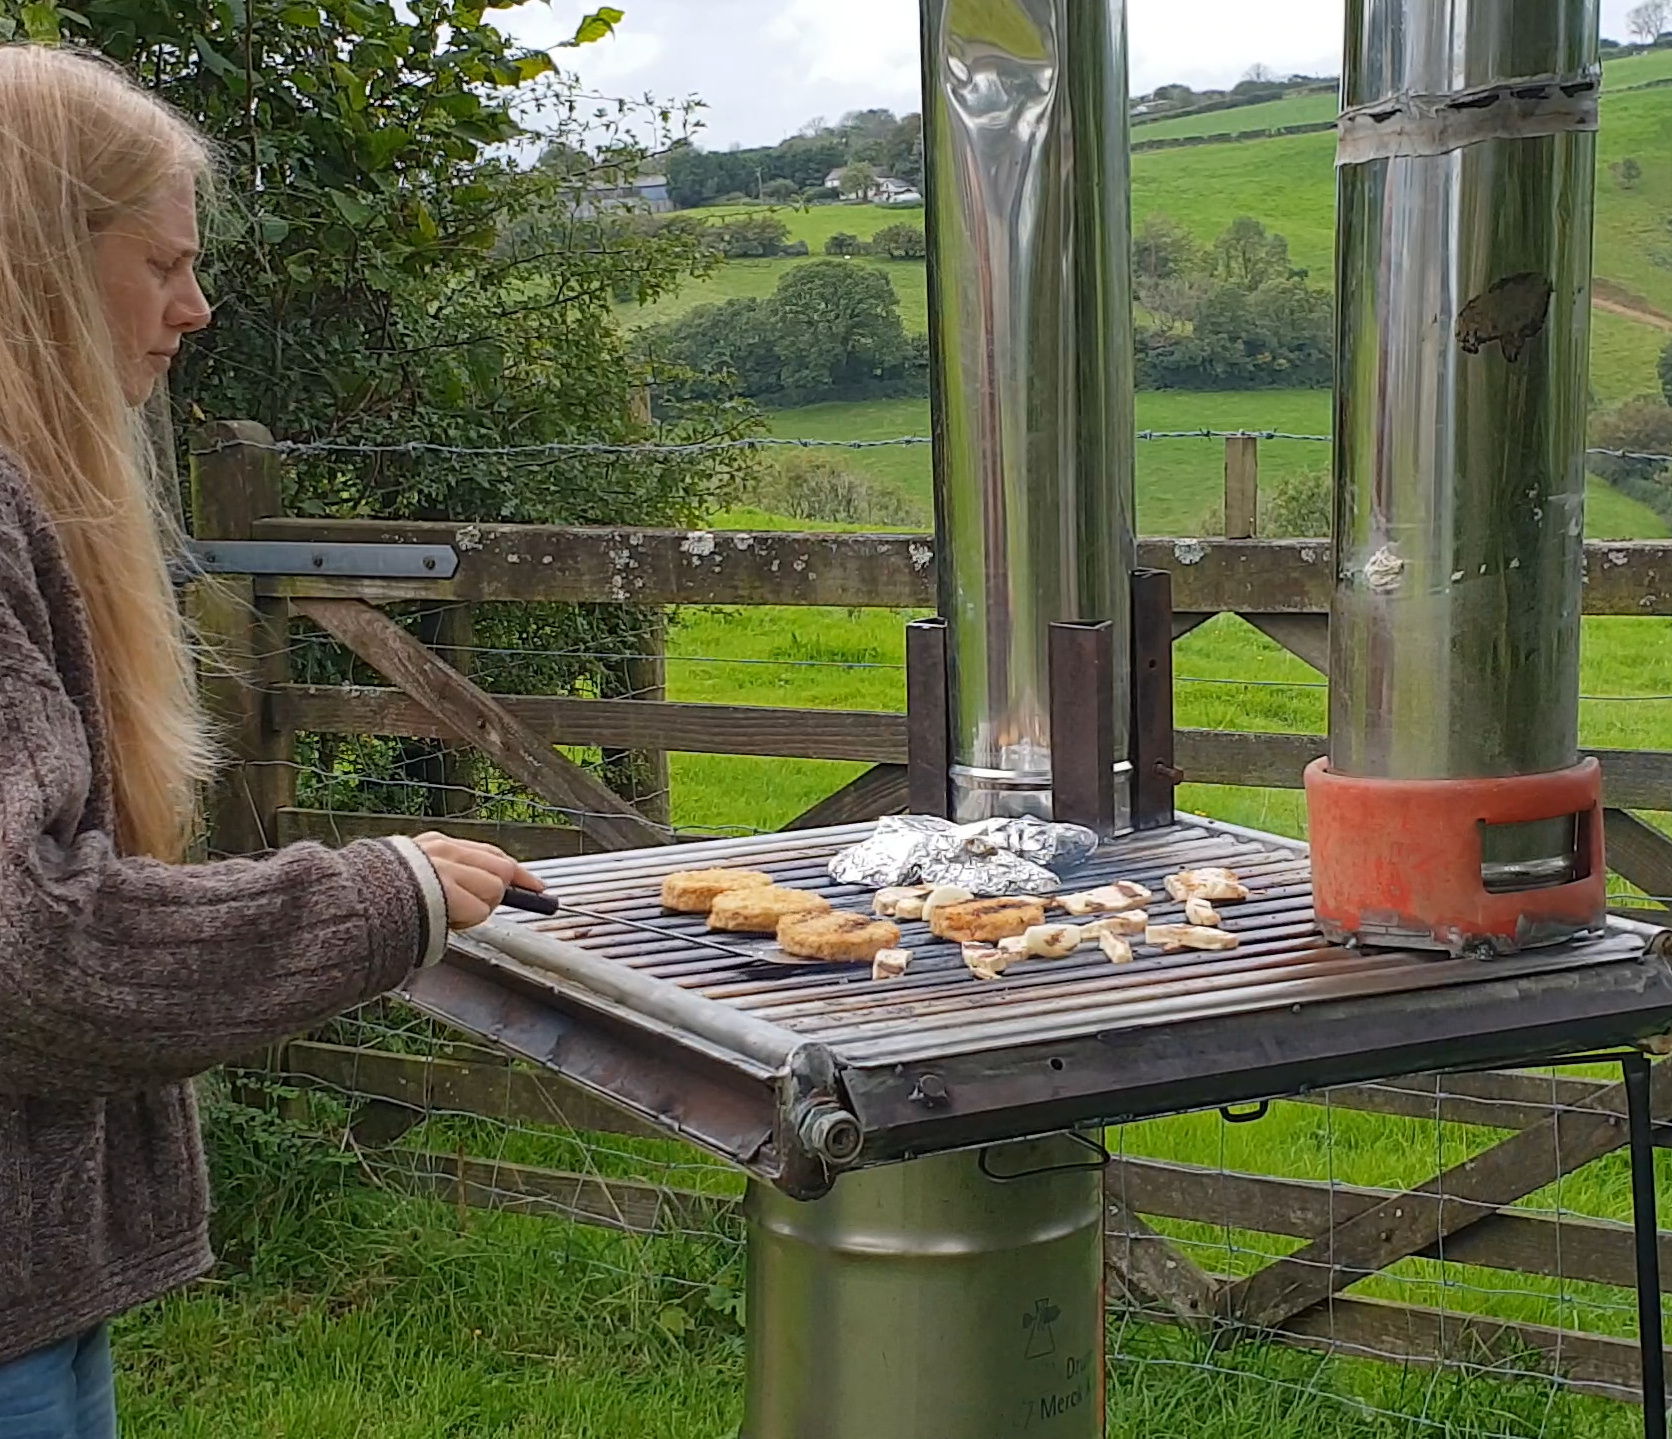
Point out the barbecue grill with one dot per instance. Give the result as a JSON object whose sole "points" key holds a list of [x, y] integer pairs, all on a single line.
{"points": [[925, 1206]]}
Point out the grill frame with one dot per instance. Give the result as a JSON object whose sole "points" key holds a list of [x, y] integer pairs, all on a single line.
{"points": [[757, 1063]]}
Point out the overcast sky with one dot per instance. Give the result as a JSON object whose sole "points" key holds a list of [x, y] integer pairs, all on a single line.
{"points": [[766, 67]]}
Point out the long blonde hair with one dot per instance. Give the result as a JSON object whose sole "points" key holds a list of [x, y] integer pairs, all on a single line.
{"points": [[81, 147]]}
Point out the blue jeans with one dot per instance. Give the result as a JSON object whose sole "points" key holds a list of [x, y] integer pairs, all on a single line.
{"points": [[65, 1392]]}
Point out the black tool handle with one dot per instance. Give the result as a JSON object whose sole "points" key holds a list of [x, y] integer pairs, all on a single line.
{"points": [[530, 902]]}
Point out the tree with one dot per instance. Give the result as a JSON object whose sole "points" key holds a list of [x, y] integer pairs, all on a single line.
{"points": [[859, 179], [844, 246], [750, 237], [1666, 372], [779, 191], [830, 331], [900, 242], [1648, 20], [1246, 256], [1163, 249], [839, 326], [1260, 74], [384, 275]]}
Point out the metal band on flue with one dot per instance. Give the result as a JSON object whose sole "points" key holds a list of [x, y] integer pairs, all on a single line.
{"points": [[1415, 126]]}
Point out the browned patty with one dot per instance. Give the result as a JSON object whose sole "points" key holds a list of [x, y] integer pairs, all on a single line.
{"points": [[840, 937], [987, 921], [693, 891], [757, 909]]}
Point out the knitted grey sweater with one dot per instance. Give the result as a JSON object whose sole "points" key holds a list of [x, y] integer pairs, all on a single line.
{"points": [[121, 978]]}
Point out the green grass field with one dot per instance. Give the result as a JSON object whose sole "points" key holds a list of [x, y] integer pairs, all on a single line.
{"points": [[1274, 115], [1289, 184]]}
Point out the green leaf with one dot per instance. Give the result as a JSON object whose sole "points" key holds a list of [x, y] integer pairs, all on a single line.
{"points": [[674, 1320], [213, 61], [274, 231], [304, 16], [532, 67], [599, 25], [40, 21], [356, 212], [382, 145]]}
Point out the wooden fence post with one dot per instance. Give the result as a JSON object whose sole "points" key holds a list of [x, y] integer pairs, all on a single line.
{"points": [[1242, 487], [644, 676], [235, 480], [449, 771]]}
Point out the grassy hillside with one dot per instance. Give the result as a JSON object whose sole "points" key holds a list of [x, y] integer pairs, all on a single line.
{"points": [[1274, 115], [1289, 183]]}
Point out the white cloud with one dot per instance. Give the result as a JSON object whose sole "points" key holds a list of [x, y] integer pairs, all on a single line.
{"points": [[871, 43], [1215, 42]]}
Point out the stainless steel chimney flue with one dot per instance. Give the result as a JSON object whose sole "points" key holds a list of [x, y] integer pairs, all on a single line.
{"points": [[1466, 178], [1031, 322]]}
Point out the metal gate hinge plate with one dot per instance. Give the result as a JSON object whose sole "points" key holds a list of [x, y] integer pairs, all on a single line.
{"points": [[332, 561]]}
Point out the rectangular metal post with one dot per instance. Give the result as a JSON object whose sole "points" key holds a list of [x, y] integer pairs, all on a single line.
{"points": [[928, 720], [1082, 665], [1155, 777], [1647, 1225]]}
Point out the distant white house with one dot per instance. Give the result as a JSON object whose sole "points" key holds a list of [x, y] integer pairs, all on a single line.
{"points": [[888, 191], [896, 192]]}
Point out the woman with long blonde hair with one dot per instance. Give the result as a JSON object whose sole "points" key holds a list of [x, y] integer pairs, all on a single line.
{"points": [[123, 971]]}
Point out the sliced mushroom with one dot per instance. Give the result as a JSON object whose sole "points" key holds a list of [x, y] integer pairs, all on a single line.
{"points": [[1134, 921], [940, 898], [1198, 910], [1051, 941], [1211, 884], [1171, 938], [1118, 949], [888, 901], [1114, 898], [986, 961], [890, 964]]}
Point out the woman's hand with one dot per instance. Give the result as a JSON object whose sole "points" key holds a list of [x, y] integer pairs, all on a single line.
{"points": [[474, 877]]}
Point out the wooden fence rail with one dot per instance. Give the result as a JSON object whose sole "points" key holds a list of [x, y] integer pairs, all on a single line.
{"points": [[1281, 587]]}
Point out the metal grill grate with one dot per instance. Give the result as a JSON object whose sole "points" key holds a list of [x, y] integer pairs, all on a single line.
{"points": [[1280, 953], [706, 1036]]}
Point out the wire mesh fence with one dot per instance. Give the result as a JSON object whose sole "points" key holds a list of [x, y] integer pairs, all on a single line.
{"points": [[1520, 1325]]}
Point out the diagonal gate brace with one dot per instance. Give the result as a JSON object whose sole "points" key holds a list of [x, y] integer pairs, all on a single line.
{"points": [[1464, 1195], [476, 718]]}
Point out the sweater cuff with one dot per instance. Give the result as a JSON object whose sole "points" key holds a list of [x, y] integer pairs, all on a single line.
{"points": [[435, 898]]}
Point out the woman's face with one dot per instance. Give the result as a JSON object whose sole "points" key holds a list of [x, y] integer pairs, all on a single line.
{"points": [[148, 283]]}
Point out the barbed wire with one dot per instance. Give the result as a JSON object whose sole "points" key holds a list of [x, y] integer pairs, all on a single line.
{"points": [[308, 449]]}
